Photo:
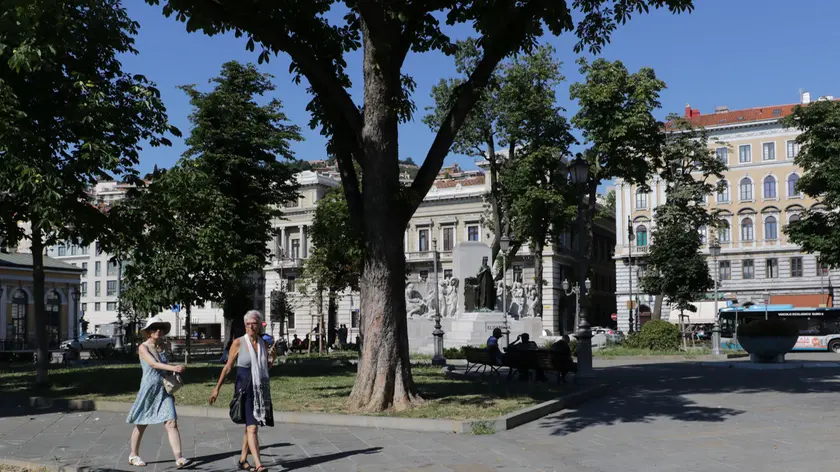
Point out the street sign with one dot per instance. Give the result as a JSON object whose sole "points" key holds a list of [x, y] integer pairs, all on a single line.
{"points": [[614, 317], [176, 308]]}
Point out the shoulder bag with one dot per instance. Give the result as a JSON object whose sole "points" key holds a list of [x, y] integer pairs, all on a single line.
{"points": [[171, 380], [237, 406]]}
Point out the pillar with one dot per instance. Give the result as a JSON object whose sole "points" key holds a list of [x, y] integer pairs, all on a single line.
{"points": [[303, 251]]}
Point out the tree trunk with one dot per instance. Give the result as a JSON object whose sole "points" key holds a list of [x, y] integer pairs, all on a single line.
{"points": [[537, 249], [41, 379], [384, 377], [332, 317], [234, 312], [189, 336], [657, 308], [495, 196]]}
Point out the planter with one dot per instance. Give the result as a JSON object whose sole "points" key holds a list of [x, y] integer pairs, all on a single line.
{"points": [[765, 349]]}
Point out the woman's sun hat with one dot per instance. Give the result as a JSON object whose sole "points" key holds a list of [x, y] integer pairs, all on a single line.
{"points": [[157, 321]]}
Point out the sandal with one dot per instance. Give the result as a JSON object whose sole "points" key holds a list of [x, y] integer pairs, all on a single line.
{"points": [[136, 461], [244, 465], [183, 462], [260, 469]]}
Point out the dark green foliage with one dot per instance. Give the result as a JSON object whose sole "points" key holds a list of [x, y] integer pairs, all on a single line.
{"points": [[656, 335], [780, 328], [818, 230]]}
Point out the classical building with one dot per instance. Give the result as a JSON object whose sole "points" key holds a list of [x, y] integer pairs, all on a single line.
{"points": [[758, 198], [17, 305]]}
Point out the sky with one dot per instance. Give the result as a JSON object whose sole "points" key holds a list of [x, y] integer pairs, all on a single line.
{"points": [[735, 53]]}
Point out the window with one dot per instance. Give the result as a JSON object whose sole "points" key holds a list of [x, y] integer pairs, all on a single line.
{"points": [[744, 153], [769, 187], [423, 241], [724, 270], [793, 217], [97, 288], [98, 248], [746, 189], [62, 250], [472, 233], [792, 149], [290, 320], [772, 268], [723, 191], [354, 318], [721, 154], [290, 284], [84, 268], [702, 231], [84, 307], [111, 306], [18, 327], [111, 288], [292, 203], [447, 274], [796, 267], [641, 200], [748, 269], [97, 269], [747, 233], [448, 238], [641, 236], [792, 190], [84, 289], [771, 228], [768, 151], [295, 253], [97, 306], [517, 273], [424, 275], [723, 231], [112, 269]]}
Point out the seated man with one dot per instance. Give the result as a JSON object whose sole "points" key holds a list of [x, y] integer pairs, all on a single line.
{"points": [[563, 355], [493, 346], [523, 343]]}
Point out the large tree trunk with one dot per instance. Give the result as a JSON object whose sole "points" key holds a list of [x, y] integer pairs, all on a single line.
{"points": [[43, 353], [384, 375], [657, 308], [332, 317], [537, 249], [189, 336]]}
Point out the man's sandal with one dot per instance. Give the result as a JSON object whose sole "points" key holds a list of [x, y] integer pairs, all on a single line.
{"points": [[136, 461]]}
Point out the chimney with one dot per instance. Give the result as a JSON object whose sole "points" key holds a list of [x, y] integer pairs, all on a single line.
{"points": [[806, 98], [687, 110]]}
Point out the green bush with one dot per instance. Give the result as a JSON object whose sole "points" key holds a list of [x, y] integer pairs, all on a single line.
{"points": [[656, 335], [768, 328]]}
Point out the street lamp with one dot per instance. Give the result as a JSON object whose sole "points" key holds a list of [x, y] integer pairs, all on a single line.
{"points": [[76, 296], [504, 245], [579, 170], [438, 357], [118, 344], [584, 333], [714, 250], [766, 302]]}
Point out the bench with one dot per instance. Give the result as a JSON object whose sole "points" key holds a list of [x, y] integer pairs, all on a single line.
{"points": [[549, 361], [478, 360], [545, 360]]}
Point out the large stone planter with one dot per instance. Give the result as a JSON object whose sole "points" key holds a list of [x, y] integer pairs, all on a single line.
{"points": [[766, 349]]}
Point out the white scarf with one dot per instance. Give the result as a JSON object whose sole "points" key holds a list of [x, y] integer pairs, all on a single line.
{"points": [[259, 377]]}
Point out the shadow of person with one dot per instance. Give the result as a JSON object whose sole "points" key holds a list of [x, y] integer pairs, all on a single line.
{"points": [[211, 458], [316, 460]]}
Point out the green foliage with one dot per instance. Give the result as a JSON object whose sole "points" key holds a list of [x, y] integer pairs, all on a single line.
{"points": [[607, 210], [656, 335], [818, 230], [201, 228], [780, 328], [483, 427]]}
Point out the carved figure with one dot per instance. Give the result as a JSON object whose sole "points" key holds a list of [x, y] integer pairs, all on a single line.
{"points": [[532, 310], [517, 308], [450, 309], [486, 296], [414, 303]]}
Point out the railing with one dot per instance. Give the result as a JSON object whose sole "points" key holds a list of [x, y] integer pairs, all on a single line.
{"points": [[427, 256]]}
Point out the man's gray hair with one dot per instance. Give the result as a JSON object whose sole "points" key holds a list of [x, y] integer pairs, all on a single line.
{"points": [[253, 314]]}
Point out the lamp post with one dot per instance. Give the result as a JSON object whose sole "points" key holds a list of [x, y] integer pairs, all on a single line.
{"points": [[579, 175], [584, 333], [714, 250], [766, 302], [437, 358], [76, 296], [630, 320], [504, 245], [118, 344]]}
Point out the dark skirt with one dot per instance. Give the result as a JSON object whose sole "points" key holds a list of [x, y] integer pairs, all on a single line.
{"points": [[243, 382]]}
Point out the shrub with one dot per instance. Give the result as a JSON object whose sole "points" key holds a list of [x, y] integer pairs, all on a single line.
{"points": [[656, 335], [454, 353], [768, 328]]}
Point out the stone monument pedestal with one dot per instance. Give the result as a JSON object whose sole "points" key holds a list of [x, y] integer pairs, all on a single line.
{"points": [[468, 329]]}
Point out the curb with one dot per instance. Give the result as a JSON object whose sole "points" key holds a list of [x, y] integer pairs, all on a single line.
{"points": [[488, 426]]}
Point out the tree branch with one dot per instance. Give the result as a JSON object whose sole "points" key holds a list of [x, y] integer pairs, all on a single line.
{"points": [[496, 49]]}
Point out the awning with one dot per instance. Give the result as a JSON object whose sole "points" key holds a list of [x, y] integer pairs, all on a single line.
{"points": [[705, 313]]}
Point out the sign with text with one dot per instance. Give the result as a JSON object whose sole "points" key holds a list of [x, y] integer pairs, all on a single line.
{"points": [[490, 326]]}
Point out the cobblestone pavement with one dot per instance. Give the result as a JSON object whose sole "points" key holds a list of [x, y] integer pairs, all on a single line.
{"points": [[667, 416]]}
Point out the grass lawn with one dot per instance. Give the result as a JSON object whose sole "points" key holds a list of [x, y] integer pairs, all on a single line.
{"points": [[619, 351], [294, 387]]}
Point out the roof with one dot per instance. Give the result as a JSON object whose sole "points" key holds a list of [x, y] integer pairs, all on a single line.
{"points": [[25, 260], [742, 116], [463, 182]]}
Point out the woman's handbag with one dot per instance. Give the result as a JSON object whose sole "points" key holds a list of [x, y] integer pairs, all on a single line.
{"points": [[237, 407], [171, 380]]}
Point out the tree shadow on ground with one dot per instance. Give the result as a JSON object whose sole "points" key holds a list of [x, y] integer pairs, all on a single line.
{"points": [[645, 393]]}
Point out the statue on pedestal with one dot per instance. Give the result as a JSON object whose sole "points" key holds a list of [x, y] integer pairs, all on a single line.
{"points": [[431, 300], [486, 291], [532, 310], [501, 291], [450, 298], [517, 308], [414, 303]]}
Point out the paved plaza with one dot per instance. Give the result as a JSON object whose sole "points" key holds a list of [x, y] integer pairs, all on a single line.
{"points": [[657, 416]]}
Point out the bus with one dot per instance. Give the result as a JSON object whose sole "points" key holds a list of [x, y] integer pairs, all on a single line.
{"points": [[819, 328]]}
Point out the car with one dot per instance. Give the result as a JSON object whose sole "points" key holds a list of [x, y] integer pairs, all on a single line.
{"points": [[612, 335], [89, 342]]}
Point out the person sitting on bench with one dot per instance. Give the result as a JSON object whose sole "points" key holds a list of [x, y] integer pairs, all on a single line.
{"points": [[523, 343], [563, 355], [493, 347]]}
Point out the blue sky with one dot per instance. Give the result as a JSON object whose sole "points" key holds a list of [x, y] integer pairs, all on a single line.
{"points": [[738, 53]]}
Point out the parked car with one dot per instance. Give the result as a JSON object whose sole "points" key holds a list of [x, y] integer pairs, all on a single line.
{"points": [[90, 342], [612, 335]]}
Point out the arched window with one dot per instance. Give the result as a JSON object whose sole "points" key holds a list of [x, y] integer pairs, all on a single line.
{"points": [[723, 231], [641, 236], [792, 190], [747, 233], [769, 187], [723, 191], [53, 309], [794, 217], [771, 228], [746, 189], [20, 306]]}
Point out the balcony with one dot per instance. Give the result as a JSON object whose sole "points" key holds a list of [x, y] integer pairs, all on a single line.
{"points": [[427, 256]]}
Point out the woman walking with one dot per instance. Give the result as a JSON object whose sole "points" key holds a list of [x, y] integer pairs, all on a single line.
{"points": [[154, 405], [251, 357]]}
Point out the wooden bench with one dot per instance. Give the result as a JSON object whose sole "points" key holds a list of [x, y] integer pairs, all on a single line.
{"points": [[549, 361], [478, 360]]}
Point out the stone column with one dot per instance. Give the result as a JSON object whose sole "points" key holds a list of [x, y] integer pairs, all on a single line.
{"points": [[303, 251], [620, 218], [282, 248]]}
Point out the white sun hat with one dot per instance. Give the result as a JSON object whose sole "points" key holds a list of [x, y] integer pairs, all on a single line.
{"points": [[157, 320]]}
